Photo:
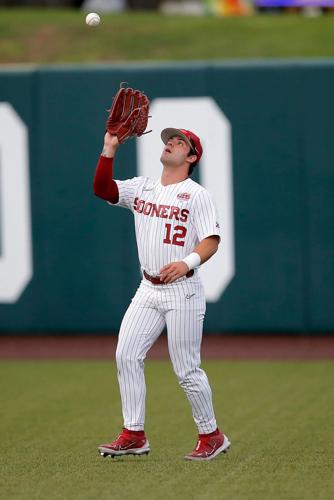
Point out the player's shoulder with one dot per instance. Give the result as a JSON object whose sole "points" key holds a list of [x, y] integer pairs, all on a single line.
{"points": [[146, 183], [196, 188], [193, 185], [136, 182], [140, 180], [142, 184]]}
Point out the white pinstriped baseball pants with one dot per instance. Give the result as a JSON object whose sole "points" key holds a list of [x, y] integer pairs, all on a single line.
{"points": [[180, 307]]}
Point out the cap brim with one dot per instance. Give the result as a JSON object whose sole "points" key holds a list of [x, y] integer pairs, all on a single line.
{"points": [[167, 133]]}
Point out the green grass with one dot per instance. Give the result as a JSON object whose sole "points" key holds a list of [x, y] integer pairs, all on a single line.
{"points": [[56, 36], [279, 417]]}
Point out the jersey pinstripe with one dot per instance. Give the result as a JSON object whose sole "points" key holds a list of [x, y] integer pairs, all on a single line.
{"points": [[169, 220]]}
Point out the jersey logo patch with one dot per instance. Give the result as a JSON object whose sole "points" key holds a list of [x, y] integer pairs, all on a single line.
{"points": [[184, 196]]}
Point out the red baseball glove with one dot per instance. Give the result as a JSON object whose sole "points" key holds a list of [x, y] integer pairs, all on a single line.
{"points": [[128, 115]]}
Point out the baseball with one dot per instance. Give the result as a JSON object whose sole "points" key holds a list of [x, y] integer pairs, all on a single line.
{"points": [[93, 19]]}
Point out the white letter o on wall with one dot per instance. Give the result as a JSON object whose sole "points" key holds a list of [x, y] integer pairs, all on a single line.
{"points": [[205, 118], [15, 220]]}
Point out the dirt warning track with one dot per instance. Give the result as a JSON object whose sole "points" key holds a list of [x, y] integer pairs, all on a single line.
{"points": [[228, 347]]}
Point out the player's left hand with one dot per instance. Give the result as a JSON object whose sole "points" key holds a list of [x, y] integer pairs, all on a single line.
{"points": [[173, 271]]}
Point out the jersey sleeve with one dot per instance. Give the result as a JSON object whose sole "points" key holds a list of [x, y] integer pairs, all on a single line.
{"points": [[128, 190], [205, 217]]}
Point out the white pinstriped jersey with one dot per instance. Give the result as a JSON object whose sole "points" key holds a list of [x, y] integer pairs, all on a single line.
{"points": [[169, 220]]}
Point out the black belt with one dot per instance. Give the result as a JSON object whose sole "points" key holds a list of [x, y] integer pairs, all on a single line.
{"points": [[155, 280]]}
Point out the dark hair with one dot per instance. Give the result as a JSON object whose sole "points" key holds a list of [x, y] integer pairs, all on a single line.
{"points": [[192, 165]]}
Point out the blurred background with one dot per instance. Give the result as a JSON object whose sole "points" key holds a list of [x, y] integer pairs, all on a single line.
{"points": [[219, 6], [254, 78]]}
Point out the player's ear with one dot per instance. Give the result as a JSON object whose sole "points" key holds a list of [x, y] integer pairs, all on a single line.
{"points": [[192, 158]]}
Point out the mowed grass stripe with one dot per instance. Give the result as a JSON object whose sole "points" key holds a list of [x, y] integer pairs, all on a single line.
{"points": [[58, 35], [278, 415]]}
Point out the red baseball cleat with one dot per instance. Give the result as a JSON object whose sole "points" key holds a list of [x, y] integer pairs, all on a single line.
{"points": [[209, 447], [127, 443]]}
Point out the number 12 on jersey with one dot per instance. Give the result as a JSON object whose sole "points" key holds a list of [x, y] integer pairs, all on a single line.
{"points": [[178, 235]]}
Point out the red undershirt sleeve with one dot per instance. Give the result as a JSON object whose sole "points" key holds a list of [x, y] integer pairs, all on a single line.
{"points": [[104, 185]]}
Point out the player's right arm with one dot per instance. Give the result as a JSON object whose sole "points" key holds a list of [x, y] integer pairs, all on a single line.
{"points": [[105, 186], [110, 146], [115, 192]]}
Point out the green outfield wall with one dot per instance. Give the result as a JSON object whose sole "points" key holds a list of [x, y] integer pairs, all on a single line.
{"points": [[78, 270]]}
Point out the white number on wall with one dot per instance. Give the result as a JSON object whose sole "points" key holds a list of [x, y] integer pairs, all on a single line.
{"points": [[15, 225], [206, 119]]}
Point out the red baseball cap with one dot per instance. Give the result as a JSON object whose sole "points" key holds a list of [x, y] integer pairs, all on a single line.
{"points": [[189, 137]]}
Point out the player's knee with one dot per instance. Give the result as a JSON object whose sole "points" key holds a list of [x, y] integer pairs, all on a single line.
{"points": [[184, 377], [123, 358], [189, 379], [126, 358]]}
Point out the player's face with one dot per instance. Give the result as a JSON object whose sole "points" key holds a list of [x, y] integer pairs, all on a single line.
{"points": [[175, 152]]}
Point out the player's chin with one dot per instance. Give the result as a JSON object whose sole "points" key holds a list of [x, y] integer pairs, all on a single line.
{"points": [[168, 159], [163, 157]]}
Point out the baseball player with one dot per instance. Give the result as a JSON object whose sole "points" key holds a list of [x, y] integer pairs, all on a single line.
{"points": [[177, 231]]}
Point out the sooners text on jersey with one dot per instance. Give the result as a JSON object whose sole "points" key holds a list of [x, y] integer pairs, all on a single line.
{"points": [[163, 211]]}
